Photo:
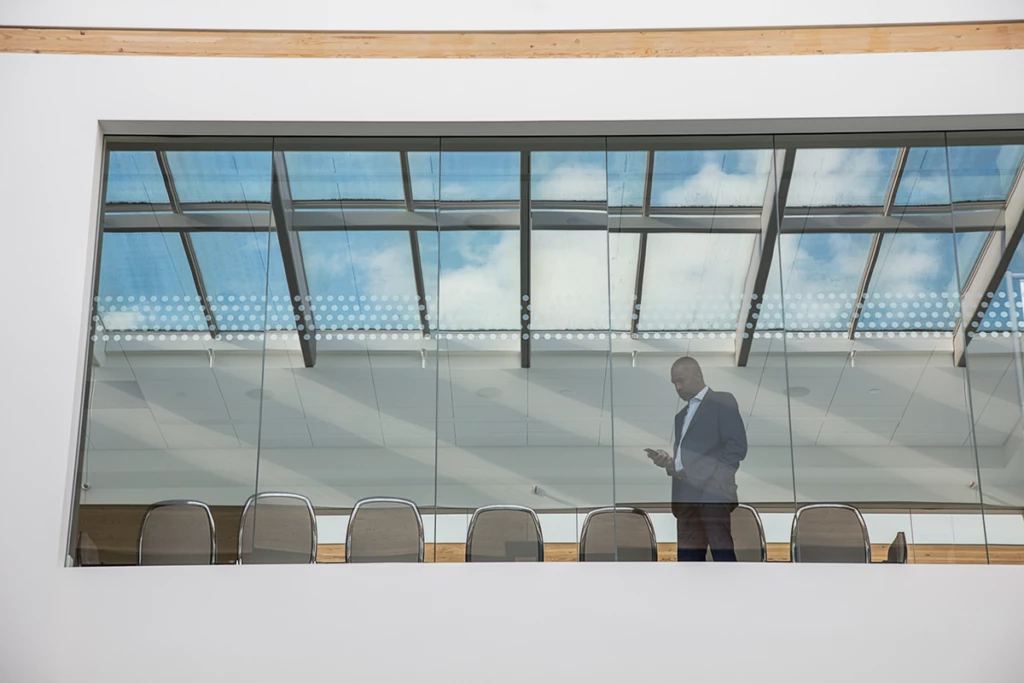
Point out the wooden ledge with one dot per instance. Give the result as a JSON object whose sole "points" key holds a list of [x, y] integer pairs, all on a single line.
{"points": [[519, 45]]}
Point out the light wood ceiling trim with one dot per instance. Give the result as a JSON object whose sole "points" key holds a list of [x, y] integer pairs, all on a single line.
{"points": [[517, 45]]}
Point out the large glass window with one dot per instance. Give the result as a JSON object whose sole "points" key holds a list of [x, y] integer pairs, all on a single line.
{"points": [[556, 349]]}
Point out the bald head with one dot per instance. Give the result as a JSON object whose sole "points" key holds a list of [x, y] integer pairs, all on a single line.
{"points": [[687, 377]]}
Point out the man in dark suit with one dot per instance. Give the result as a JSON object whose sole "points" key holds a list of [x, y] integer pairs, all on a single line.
{"points": [[710, 441]]}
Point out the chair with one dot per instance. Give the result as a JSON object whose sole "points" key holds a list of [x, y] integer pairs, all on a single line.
{"points": [[829, 532], [897, 550], [88, 553], [175, 532], [277, 528], [624, 529], [504, 533], [384, 530], [747, 535]]}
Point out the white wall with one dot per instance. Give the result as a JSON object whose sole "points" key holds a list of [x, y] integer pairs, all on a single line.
{"points": [[449, 15], [452, 622]]}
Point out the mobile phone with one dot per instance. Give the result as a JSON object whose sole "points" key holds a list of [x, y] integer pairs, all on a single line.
{"points": [[650, 452]]}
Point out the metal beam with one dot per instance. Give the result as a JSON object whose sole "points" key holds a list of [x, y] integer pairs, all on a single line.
{"points": [[641, 261], [205, 300], [414, 247], [894, 182], [865, 281], [291, 254], [525, 301], [991, 267], [772, 211], [876, 243]]}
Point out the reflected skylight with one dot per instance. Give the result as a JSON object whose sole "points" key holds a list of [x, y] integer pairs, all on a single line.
{"points": [[983, 173], [924, 180], [361, 279], [479, 278], [569, 280], [710, 178], [998, 316], [694, 281], [221, 176], [234, 268], [145, 284], [345, 175], [821, 274], [135, 178], [915, 284], [568, 176], [626, 171], [424, 171], [479, 176], [841, 177]]}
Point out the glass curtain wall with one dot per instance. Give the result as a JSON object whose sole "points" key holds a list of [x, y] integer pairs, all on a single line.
{"points": [[790, 348]]}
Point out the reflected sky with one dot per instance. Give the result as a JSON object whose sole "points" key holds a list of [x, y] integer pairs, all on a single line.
{"points": [[344, 175], [145, 283], [235, 273], [221, 176], [361, 279], [135, 178], [841, 177]]}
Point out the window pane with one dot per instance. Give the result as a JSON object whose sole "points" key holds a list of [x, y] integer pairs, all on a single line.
{"points": [[983, 173], [479, 278], [568, 176], [915, 285], [569, 273], [234, 268], [710, 178], [479, 176], [361, 279], [345, 175], [424, 169], [145, 284], [626, 171], [694, 281], [924, 180], [221, 176], [841, 177], [821, 274], [135, 178]]}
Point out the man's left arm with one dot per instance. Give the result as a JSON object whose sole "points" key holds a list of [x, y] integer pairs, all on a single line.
{"points": [[732, 433]]}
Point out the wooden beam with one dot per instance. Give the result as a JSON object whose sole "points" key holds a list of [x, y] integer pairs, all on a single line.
{"points": [[989, 271], [746, 42], [772, 212]]}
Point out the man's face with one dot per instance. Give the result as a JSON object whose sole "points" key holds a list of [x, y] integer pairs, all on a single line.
{"points": [[687, 383]]}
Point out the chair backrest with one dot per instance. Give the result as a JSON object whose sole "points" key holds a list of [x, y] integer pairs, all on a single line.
{"points": [[747, 535], [177, 532], [88, 553], [625, 528], [504, 533], [384, 530], [898, 549], [277, 528], [829, 532]]}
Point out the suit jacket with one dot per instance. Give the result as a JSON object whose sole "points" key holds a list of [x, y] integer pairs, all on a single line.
{"points": [[712, 449]]}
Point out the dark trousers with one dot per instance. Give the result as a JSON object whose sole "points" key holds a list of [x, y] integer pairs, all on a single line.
{"points": [[700, 526]]}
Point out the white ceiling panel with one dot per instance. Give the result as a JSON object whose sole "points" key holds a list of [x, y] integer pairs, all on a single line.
{"points": [[124, 429], [199, 436]]}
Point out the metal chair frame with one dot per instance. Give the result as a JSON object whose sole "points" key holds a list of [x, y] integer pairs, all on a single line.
{"points": [[381, 499], [617, 510], [506, 508], [254, 500], [176, 503], [760, 530]]}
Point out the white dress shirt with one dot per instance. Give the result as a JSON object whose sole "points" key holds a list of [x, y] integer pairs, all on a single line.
{"points": [[693, 405]]}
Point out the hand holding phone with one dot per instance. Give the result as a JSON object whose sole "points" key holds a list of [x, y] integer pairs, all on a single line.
{"points": [[659, 457]]}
